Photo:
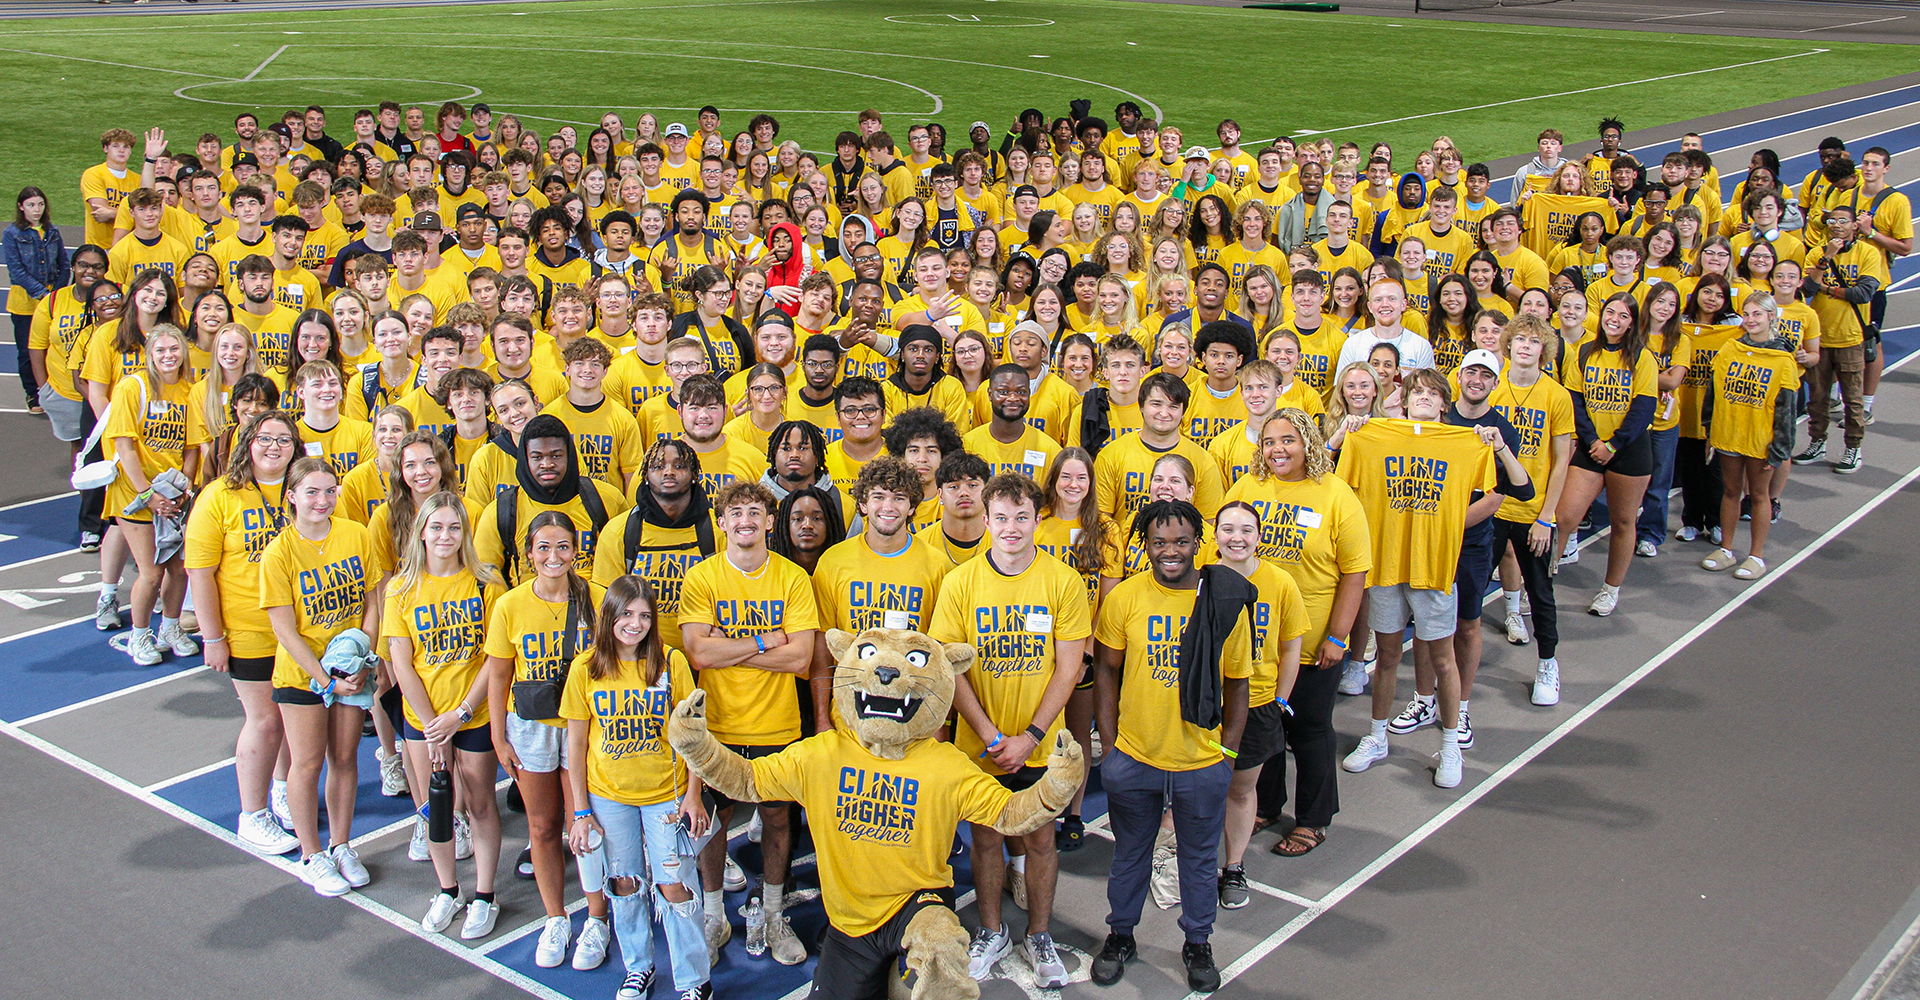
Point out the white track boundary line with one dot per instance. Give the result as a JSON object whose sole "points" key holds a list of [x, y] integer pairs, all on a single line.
{"points": [[1854, 24], [111, 695], [103, 62], [1565, 93], [29, 503], [39, 559], [364, 902], [1560, 732], [204, 769], [30, 633]]}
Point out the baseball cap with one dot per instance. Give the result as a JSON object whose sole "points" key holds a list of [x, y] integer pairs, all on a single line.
{"points": [[676, 129], [426, 220], [1198, 153], [245, 159], [1026, 189], [1484, 358], [478, 108], [468, 210]]}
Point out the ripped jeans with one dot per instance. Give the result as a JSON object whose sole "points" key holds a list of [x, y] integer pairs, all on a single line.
{"points": [[640, 840]]}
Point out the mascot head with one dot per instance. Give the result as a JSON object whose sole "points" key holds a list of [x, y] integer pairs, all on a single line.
{"points": [[892, 687]]}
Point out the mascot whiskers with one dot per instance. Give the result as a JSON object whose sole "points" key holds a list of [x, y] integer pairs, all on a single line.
{"points": [[883, 800]]}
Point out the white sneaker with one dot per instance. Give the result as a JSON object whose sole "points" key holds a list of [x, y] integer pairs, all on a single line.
{"points": [[144, 648], [1526, 604], [1372, 749], [319, 871], [393, 776], [439, 913], [719, 932], [986, 948], [462, 838], [753, 827], [481, 916], [1603, 603], [1447, 774], [781, 942], [1571, 554], [732, 878], [417, 849], [1516, 628], [347, 860], [261, 834], [1687, 533], [1546, 684], [1417, 715], [106, 613], [176, 638], [277, 801], [592, 949], [1645, 549], [1353, 678], [1049, 973], [552, 947]]}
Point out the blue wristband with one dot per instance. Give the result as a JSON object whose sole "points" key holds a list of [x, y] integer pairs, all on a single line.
{"points": [[1336, 640], [991, 747], [1282, 702], [582, 813], [761, 643]]}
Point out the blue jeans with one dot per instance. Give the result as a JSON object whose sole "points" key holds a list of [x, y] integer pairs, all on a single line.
{"points": [[1652, 525], [1136, 794], [639, 842]]}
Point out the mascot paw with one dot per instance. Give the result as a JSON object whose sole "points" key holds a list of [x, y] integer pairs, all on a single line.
{"points": [[688, 725], [936, 947], [1066, 751]]}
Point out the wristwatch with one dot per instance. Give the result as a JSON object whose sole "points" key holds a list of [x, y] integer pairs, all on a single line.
{"points": [[465, 713], [1039, 735]]}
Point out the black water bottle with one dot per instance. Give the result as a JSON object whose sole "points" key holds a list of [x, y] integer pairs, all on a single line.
{"points": [[440, 807]]}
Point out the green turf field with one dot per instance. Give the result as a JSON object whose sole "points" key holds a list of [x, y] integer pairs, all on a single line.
{"points": [[815, 63]]}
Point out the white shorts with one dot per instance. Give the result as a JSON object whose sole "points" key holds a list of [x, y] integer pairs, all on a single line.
{"points": [[540, 747], [1434, 612]]}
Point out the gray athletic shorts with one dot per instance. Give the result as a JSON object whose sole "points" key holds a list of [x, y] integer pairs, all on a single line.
{"points": [[62, 413], [1433, 611], [540, 747]]}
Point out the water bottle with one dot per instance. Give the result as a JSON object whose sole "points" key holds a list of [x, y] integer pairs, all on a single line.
{"points": [[756, 928], [440, 807], [593, 864]]}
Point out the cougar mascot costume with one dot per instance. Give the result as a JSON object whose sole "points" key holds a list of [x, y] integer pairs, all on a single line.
{"points": [[883, 800]]}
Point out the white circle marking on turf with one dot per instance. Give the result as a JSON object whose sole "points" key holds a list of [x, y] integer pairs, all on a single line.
{"points": [[971, 20], [182, 93]]}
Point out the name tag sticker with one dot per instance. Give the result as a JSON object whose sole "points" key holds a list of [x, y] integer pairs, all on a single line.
{"points": [[1036, 458], [898, 619], [1073, 536], [1041, 624], [315, 449], [1308, 518]]}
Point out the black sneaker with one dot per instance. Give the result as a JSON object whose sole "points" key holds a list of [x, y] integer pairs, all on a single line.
{"points": [[1234, 892], [523, 865], [1118, 950], [1776, 511], [514, 802], [1849, 462], [1202, 975], [1746, 508], [1071, 835], [1816, 450]]}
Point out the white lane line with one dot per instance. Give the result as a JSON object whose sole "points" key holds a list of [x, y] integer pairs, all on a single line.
{"points": [[1669, 17], [1560, 732], [189, 776], [111, 695], [410, 925], [1564, 93], [264, 63], [1254, 884], [1854, 24], [39, 559], [30, 503], [30, 633], [103, 62], [527, 928]]}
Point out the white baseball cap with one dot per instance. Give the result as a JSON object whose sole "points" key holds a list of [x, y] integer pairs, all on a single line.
{"points": [[1484, 358]]}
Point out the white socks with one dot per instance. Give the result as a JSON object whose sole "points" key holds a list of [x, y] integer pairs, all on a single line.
{"points": [[1449, 738], [1513, 600], [169, 625], [717, 903], [1608, 588], [1379, 729], [772, 897], [1019, 863]]}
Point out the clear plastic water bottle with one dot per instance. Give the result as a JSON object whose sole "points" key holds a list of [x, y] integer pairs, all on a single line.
{"points": [[756, 929]]}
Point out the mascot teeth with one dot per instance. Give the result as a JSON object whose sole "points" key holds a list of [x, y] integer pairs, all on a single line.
{"points": [[874, 706]]}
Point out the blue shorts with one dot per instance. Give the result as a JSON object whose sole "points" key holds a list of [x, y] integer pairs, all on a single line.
{"points": [[1470, 579]]}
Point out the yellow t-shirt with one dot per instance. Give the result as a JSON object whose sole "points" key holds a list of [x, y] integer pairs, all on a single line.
{"points": [[1208, 414], [1013, 622], [748, 705], [272, 334], [104, 362], [1319, 350], [1030, 456], [229, 252], [1057, 537], [856, 588], [343, 446], [158, 430], [1840, 319], [663, 557], [1147, 620], [1123, 475], [606, 437], [1610, 385], [1416, 479], [1317, 532], [132, 255], [531, 633], [1705, 341], [489, 471], [737, 461], [364, 489], [1666, 409], [1747, 382], [324, 582], [883, 828], [1279, 616], [628, 758], [1539, 413], [100, 181], [60, 329], [632, 381], [488, 545], [944, 395], [444, 620], [1053, 408], [228, 531]]}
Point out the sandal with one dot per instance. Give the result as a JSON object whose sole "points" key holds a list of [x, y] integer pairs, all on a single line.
{"points": [[1299, 841], [1262, 822], [1720, 560], [1752, 569]]}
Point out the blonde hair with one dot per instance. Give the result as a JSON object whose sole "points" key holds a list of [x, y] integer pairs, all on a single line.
{"points": [[1337, 400], [152, 372], [213, 409], [400, 509], [413, 549], [1128, 318], [1319, 462]]}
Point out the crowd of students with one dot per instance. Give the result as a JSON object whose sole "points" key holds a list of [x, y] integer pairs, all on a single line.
{"points": [[567, 426]]}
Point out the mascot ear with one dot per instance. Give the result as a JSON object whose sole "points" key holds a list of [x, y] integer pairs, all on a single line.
{"points": [[837, 642], [959, 656]]}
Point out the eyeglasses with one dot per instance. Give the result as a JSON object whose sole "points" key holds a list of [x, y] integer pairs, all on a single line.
{"points": [[719, 291], [872, 410], [866, 258], [282, 441], [686, 366], [766, 390], [819, 366], [78, 266]]}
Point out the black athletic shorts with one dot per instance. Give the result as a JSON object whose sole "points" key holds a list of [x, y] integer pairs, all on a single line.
{"points": [[1470, 577], [750, 753], [250, 668], [1023, 779], [857, 968], [1264, 737], [296, 696], [1635, 460], [478, 739]]}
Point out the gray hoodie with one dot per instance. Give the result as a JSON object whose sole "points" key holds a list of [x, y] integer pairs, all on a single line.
{"points": [[1534, 168]]}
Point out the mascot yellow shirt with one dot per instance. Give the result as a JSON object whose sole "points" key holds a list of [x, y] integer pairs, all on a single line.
{"points": [[1147, 620], [893, 820], [628, 759], [1012, 621], [748, 706]]}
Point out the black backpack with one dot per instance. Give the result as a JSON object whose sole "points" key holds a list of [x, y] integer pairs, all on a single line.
{"points": [[507, 513]]}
